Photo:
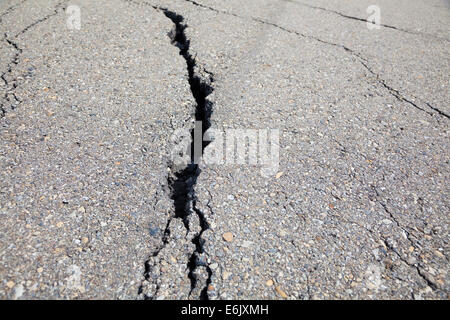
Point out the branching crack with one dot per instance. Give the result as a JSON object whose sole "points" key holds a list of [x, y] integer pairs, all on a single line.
{"points": [[408, 237], [10, 98], [182, 182], [390, 247], [364, 62], [363, 20], [398, 95]]}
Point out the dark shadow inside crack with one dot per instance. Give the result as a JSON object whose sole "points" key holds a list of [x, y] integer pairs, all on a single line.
{"points": [[182, 182]]}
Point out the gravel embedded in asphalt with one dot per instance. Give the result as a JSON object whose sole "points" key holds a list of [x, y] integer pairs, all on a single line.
{"points": [[93, 206]]}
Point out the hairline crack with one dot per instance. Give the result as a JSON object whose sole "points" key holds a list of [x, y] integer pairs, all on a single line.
{"points": [[363, 61]]}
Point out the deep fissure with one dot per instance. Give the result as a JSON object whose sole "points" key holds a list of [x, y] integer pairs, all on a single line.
{"points": [[183, 192], [182, 182]]}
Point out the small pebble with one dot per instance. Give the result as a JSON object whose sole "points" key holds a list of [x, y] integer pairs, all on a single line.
{"points": [[281, 292], [18, 291], [214, 266], [228, 236]]}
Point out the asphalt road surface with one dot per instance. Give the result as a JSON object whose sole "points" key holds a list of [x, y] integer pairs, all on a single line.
{"points": [[96, 98]]}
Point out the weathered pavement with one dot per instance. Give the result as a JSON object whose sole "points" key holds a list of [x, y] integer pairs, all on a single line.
{"points": [[91, 204]]}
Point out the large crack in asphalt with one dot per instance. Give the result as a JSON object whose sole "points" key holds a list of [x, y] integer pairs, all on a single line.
{"points": [[185, 181], [182, 182]]}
